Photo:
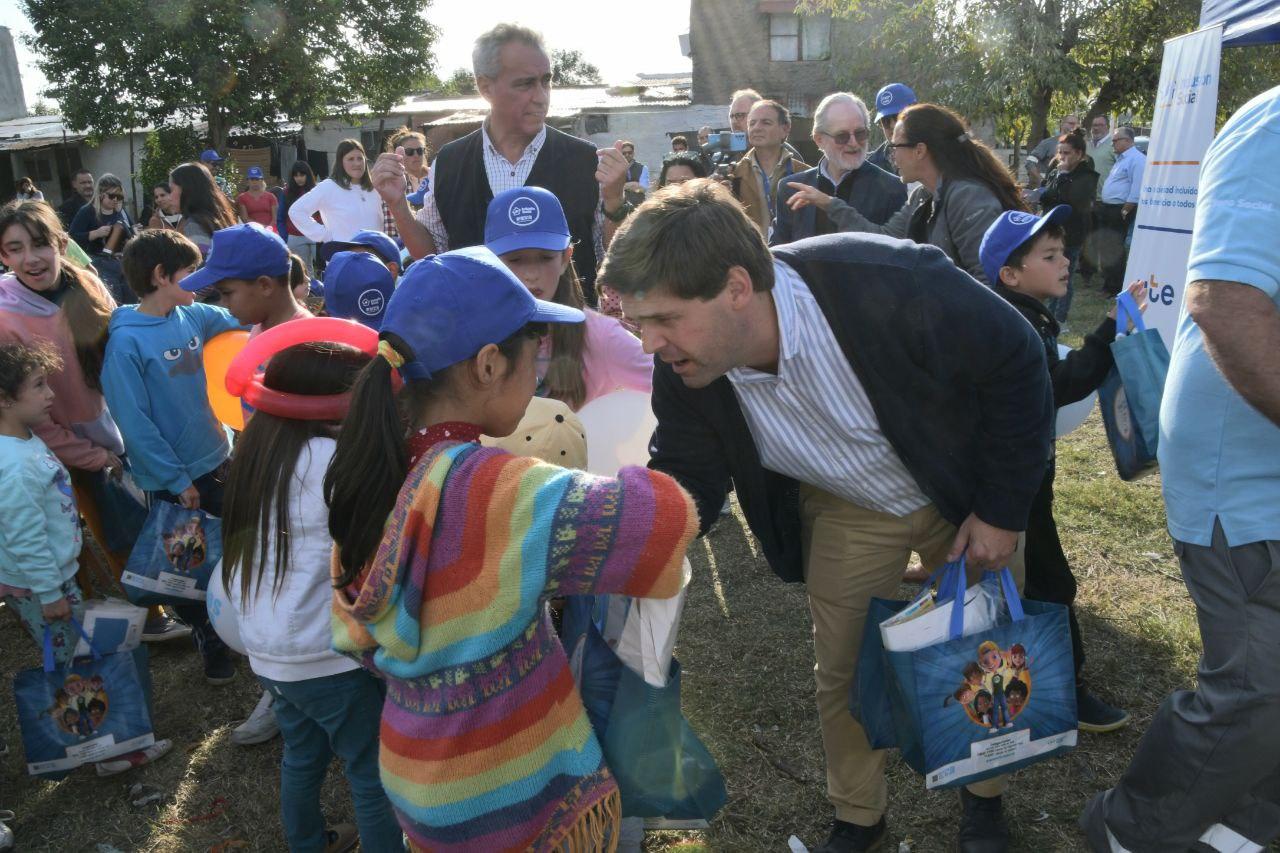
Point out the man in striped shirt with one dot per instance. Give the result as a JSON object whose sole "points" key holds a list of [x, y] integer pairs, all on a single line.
{"points": [[867, 399]]}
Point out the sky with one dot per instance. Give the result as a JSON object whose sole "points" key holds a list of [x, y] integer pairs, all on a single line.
{"points": [[621, 52]]}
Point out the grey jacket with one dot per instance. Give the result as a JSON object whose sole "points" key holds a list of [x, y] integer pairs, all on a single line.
{"points": [[961, 214]]}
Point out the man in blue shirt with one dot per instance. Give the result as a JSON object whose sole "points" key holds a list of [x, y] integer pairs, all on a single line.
{"points": [[1207, 769], [1118, 202]]}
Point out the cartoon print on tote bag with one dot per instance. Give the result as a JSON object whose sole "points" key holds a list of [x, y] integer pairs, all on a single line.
{"points": [[996, 686]]}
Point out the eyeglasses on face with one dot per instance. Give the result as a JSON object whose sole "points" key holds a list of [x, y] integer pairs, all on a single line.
{"points": [[414, 152], [843, 137], [737, 116], [114, 196]]}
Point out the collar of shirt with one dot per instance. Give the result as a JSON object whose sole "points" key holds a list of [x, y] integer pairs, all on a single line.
{"points": [[784, 304], [826, 172], [530, 151]]}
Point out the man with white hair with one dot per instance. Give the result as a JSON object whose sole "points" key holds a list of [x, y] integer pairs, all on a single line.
{"points": [[513, 147], [841, 130]]}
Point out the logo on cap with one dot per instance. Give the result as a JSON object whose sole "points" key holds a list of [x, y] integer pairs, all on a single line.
{"points": [[371, 302], [523, 212], [886, 98], [1018, 217]]}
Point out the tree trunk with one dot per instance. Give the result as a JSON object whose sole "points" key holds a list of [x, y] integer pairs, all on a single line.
{"points": [[218, 128], [1040, 100]]}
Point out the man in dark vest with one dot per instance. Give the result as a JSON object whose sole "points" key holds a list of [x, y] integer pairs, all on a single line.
{"points": [[513, 147], [867, 399]]}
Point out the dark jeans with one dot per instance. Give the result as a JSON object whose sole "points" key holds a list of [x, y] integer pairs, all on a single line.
{"points": [[1059, 306], [1049, 576], [211, 487], [320, 718], [1212, 755], [1110, 236]]}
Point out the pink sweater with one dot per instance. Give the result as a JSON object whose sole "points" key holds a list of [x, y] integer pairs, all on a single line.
{"points": [[612, 358], [81, 431]]}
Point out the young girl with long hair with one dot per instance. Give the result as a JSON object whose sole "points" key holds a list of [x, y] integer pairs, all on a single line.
{"points": [[963, 188], [302, 180], [203, 206], [275, 568], [45, 298], [446, 554], [345, 200], [527, 229]]}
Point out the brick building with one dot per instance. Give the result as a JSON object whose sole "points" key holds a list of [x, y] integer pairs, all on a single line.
{"points": [[764, 45]]}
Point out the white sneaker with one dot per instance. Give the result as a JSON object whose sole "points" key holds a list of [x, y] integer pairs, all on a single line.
{"points": [[129, 760], [260, 727], [6, 834]]}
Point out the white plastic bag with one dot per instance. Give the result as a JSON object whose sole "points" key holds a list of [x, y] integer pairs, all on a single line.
{"points": [[114, 625], [926, 625], [648, 636]]}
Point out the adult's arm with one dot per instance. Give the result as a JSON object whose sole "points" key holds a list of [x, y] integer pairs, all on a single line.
{"points": [[687, 447], [308, 203], [995, 349], [84, 221], [241, 210], [1241, 328], [782, 218], [847, 218], [388, 177], [971, 208]]}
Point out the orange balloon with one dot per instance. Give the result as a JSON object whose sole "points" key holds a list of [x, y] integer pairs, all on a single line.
{"points": [[218, 354]]}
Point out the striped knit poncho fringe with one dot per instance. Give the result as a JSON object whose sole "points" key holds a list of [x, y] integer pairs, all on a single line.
{"points": [[485, 745]]}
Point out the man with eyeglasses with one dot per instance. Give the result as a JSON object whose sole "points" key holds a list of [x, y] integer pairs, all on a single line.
{"points": [[841, 131]]}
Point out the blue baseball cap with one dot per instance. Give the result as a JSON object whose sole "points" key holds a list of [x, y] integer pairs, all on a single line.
{"points": [[357, 287], [241, 251], [210, 156], [383, 246], [254, 173], [893, 99], [1010, 230], [449, 306], [526, 218]]}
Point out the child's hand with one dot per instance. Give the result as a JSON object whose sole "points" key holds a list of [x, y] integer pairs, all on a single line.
{"points": [[1136, 289], [114, 467], [58, 611], [190, 498]]}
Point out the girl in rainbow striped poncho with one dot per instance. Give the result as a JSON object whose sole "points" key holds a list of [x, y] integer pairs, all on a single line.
{"points": [[441, 582]]}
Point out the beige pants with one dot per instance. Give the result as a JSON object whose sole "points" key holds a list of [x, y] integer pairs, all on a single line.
{"points": [[852, 555]]}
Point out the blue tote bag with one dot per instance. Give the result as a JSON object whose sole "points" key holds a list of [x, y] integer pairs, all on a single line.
{"points": [[173, 557], [973, 707], [1130, 395], [91, 710], [662, 768]]}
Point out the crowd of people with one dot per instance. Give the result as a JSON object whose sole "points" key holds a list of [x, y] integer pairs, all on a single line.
{"points": [[391, 573]]}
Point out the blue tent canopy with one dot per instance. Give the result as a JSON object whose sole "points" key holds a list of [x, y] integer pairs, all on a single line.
{"points": [[1246, 21]]}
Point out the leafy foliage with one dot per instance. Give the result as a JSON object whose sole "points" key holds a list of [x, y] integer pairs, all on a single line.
{"points": [[460, 82], [568, 68], [249, 63], [164, 148]]}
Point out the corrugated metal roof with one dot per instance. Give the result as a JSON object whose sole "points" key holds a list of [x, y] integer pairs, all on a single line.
{"points": [[34, 132]]}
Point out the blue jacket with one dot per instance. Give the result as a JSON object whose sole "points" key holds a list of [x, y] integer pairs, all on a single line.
{"points": [[874, 193], [956, 376], [153, 379]]}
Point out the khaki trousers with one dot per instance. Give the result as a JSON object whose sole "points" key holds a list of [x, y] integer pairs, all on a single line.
{"points": [[851, 555]]}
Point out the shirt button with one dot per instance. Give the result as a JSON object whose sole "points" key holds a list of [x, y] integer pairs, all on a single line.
{"points": [[513, 174]]}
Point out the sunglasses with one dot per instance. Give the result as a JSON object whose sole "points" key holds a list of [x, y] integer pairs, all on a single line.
{"points": [[414, 152], [737, 116], [114, 196], [843, 137]]}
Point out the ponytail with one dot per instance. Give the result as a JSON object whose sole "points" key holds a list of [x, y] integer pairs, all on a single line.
{"points": [[957, 154], [369, 466]]}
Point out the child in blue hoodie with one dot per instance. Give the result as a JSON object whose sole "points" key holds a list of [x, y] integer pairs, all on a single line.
{"points": [[153, 379]]}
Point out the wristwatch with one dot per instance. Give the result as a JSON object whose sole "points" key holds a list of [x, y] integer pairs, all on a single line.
{"points": [[624, 210]]}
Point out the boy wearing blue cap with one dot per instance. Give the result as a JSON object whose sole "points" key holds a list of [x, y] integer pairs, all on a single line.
{"points": [[375, 243], [154, 383], [1024, 257], [357, 286], [250, 266]]}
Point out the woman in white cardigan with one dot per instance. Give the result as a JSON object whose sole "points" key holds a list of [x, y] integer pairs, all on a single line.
{"points": [[346, 201]]}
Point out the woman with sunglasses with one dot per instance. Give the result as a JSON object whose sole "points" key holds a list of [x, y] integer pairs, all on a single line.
{"points": [[840, 130], [102, 228], [963, 188]]}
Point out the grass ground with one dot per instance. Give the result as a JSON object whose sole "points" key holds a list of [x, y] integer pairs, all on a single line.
{"points": [[747, 656]]}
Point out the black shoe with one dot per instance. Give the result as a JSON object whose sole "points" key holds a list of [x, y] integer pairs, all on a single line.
{"points": [[1097, 716], [982, 826], [851, 838], [218, 667]]}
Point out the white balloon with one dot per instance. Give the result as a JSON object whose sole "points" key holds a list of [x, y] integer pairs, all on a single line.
{"points": [[1071, 416], [618, 427], [222, 613]]}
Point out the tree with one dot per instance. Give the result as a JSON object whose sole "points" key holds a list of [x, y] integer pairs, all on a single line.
{"points": [[460, 82], [1019, 61], [163, 149], [251, 64], [42, 108], [568, 68]]}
